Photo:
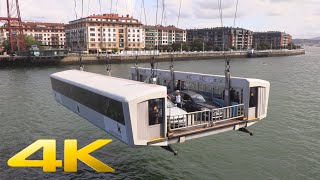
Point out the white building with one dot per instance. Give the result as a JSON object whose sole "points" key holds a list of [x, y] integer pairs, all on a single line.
{"points": [[105, 32], [49, 34]]}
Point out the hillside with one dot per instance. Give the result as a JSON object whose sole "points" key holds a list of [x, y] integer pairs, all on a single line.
{"points": [[306, 41]]}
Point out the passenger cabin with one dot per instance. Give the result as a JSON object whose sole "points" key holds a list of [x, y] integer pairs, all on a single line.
{"points": [[131, 111]]}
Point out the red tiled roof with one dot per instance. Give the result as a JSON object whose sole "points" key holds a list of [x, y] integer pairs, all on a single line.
{"points": [[42, 23], [110, 16], [172, 28]]}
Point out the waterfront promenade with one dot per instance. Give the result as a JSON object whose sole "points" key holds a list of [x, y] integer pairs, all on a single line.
{"points": [[178, 56], [73, 58]]}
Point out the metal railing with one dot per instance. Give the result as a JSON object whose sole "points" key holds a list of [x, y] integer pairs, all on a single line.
{"points": [[201, 118]]}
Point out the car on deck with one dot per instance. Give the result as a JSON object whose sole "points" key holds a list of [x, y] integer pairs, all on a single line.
{"points": [[176, 116], [193, 102]]}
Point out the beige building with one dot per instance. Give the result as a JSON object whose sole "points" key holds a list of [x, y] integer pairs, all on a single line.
{"points": [[49, 34], [104, 32]]}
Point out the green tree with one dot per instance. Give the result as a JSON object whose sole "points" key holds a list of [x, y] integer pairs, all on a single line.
{"points": [[217, 48], [185, 47], [115, 50], [197, 45], [6, 46], [29, 41], [176, 46]]}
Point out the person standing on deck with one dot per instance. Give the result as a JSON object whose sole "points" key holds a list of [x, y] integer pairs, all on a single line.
{"points": [[178, 99], [178, 85]]}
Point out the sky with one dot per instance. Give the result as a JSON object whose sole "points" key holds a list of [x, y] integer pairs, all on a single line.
{"points": [[300, 18]]}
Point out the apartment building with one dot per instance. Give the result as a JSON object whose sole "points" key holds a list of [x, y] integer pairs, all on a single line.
{"points": [[222, 37], [48, 34], [104, 32], [163, 35], [272, 39]]}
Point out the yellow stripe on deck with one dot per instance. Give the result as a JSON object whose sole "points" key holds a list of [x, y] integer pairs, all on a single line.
{"points": [[251, 119], [156, 139]]}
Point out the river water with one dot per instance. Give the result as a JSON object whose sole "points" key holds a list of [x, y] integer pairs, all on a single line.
{"points": [[286, 145]]}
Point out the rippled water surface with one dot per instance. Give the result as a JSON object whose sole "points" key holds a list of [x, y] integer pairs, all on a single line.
{"points": [[286, 145]]}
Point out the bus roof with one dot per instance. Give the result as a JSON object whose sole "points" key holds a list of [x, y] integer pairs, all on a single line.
{"points": [[116, 88]]}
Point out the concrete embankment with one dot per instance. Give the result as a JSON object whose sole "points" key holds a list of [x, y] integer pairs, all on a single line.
{"points": [[73, 59], [94, 59]]}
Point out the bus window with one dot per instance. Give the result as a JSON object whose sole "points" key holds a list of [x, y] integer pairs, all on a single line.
{"points": [[156, 111]]}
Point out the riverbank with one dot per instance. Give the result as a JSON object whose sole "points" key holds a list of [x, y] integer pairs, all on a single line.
{"points": [[73, 59], [93, 59]]}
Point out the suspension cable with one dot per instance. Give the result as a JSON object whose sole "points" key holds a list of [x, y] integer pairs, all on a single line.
{"points": [[220, 12], [163, 8], [145, 15], [111, 7], [157, 13], [88, 8], [179, 13], [108, 57], [157, 25], [100, 6], [81, 8], [126, 6], [235, 14], [117, 6], [75, 8], [140, 15]]}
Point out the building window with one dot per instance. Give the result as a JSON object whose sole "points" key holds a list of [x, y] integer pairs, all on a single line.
{"points": [[92, 29], [92, 39]]}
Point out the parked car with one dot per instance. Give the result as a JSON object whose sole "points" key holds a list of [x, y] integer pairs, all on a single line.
{"points": [[193, 102], [176, 116]]}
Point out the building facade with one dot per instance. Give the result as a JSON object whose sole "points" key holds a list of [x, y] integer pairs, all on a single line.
{"points": [[48, 34], [104, 32], [222, 38], [163, 36], [272, 39]]}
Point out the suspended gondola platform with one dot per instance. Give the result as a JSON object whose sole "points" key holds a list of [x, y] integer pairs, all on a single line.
{"points": [[137, 112]]}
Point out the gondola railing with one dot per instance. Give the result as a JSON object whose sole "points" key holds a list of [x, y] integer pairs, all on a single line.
{"points": [[203, 118]]}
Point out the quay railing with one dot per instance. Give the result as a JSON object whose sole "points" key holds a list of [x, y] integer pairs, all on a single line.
{"points": [[202, 118]]}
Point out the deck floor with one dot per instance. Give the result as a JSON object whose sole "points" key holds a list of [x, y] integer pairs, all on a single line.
{"points": [[199, 129]]}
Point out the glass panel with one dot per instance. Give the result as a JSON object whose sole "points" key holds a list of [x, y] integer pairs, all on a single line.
{"points": [[156, 111]]}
